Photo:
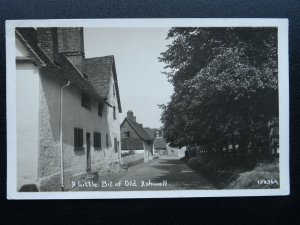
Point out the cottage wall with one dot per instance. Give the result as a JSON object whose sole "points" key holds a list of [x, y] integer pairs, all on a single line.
{"points": [[127, 128], [148, 151], [139, 147], [101, 160], [74, 115], [27, 111], [142, 146]]}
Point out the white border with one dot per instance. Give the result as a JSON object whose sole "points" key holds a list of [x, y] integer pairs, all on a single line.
{"points": [[282, 25]]}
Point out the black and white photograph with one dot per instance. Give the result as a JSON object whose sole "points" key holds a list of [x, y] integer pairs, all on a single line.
{"points": [[147, 108]]}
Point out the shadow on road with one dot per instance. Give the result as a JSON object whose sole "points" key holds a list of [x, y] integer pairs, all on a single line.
{"points": [[179, 175]]}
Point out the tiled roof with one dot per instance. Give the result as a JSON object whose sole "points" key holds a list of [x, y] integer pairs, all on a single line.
{"points": [[28, 37], [99, 71], [132, 143], [159, 143], [72, 74], [150, 132], [67, 70], [139, 129]]}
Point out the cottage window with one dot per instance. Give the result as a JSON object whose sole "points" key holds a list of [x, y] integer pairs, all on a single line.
{"points": [[115, 117], [107, 144], [78, 138], [100, 109], [126, 134], [97, 140], [86, 101], [116, 144]]}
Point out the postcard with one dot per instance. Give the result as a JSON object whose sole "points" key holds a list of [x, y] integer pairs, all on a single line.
{"points": [[147, 108]]}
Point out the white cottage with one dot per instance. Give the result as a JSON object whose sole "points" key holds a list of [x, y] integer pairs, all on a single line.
{"points": [[67, 110], [135, 137]]}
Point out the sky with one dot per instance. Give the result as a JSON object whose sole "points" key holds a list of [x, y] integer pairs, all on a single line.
{"points": [[142, 86]]}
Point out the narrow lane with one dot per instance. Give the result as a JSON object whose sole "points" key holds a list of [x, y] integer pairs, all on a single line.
{"points": [[159, 174]]}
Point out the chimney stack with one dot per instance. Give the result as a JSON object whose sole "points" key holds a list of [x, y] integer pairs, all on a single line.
{"points": [[130, 116], [47, 40], [63, 40]]}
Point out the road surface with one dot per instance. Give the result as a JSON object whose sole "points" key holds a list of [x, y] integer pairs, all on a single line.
{"points": [[158, 174]]}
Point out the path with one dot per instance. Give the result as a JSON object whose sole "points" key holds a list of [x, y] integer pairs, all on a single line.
{"points": [[158, 174]]}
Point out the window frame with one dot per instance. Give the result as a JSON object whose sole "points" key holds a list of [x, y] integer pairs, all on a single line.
{"points": [[78, 139], [116, 144], [97, 140], [126, 136], [101, 106], [107, 141], [114, 113], [86, 101], [114, 90]]}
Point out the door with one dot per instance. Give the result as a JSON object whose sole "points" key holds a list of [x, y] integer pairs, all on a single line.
{"points": [[88, 152]]}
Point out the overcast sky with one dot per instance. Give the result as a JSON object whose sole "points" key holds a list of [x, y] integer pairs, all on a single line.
{"points": [[142, 85]]}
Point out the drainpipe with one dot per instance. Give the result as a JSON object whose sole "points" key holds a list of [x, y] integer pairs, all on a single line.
{"points": [[61, 137]]}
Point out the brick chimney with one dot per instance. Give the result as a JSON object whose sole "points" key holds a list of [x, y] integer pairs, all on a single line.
{"points": [[130, 116], [63, 40], [47, 40]]}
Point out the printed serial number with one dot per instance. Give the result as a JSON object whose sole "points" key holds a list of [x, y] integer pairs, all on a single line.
{"points": [[267, 181]]}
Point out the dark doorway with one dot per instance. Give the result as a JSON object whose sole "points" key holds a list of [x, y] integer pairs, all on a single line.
{"points": [[88, 152]]}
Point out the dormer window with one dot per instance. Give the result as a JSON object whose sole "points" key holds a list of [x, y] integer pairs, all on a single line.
{"points": [[86, 101]]}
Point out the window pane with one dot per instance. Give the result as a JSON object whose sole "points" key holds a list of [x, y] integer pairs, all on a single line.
{"points": [[100, 109], [97, 140], [116, 144], [107, 144], [78, 138], [86, 101], [114, 112]]}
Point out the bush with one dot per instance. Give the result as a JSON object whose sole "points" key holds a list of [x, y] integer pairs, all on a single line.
{"points": [[131, 152], [124, 154], [198, 163], [221, 168]]}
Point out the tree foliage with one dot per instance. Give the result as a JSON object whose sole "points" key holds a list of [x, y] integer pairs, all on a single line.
{"points": [[225, 85]]}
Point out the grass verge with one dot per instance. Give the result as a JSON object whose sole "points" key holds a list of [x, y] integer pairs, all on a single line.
{"points": [[229, 171], [263, 176]]}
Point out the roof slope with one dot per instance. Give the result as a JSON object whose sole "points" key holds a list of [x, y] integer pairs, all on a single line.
{"points": [[28, 37], [142, 133], [150, 132], [72, 74], [159, 143], [68, 71], [99, 71]]}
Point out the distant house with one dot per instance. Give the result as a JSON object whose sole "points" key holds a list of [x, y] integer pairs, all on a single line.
{"points": [[160, 146], [67, 110], [176, 151], [135, 137]]}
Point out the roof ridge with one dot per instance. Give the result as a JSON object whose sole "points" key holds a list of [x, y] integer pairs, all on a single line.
{"points": [[26, 36], [132, 123], [27, 45], [100, 57]]}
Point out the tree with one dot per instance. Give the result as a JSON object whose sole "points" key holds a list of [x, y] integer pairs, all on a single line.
{"points": [[225, 85]]}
